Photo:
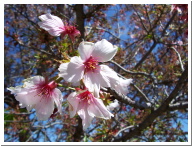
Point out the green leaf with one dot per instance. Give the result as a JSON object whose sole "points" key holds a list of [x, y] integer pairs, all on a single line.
{"points": [[85, 139], [181, 140], [8, 116]]}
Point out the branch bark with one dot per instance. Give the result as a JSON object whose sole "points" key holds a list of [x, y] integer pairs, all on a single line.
{"points": [[80, 16], [122, 98], [178, 106], [154, 114], [156, 42]]}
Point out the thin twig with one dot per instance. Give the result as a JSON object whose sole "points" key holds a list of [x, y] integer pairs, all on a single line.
{"points": [[128, 127], [180, 61], [141, 92], [32, 135], [133, 73], [177, 106]]}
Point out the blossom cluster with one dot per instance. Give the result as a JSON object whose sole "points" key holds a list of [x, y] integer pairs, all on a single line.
{"points": [[86, 71]]}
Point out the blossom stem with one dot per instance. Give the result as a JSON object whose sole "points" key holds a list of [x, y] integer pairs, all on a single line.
{"points": [[58, 79]]}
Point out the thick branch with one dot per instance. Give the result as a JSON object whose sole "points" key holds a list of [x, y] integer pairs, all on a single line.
{"points": [[80, 16], [154, 114], [78, 131]]}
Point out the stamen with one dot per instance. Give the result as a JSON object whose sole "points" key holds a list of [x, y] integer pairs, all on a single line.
{"points": [[90, 65], [45, 90], [86, 96]]}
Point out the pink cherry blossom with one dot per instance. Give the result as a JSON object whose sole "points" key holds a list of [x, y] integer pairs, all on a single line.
{"points": [[71, 31], [52, 24], [87, 106], [87, 67], [39, 94], [55, 27]]}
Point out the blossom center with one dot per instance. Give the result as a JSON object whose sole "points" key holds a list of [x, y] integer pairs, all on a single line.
{"points": [[90, 65], [45, 90], [85, 96], [69, 29]]}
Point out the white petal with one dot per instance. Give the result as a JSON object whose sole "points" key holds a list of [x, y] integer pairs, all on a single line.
{"points": [[15, 90], [109, 74], [85, 116], [51, 17], [55, 32], [44, 108], [38, 80], [98, 109], [73, 71], [57, 96], [63, 69], [113, 105], [28, 97], [85, 49], [105, 78], [123, 86], [104, 51], [45, 17], [52, 24], [73, 104], [94, 80]]}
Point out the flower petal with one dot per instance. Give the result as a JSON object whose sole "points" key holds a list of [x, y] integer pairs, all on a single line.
{"points": [[63, 69], [51, 17], [98, 109], [73, 104], [73, 71], [52, 24], [28, 97], [57, 96], [44, 108], [104, 51], [109, 74], [123, 85], [38, 80], [94, 80], [85, 49], [85, 116], [113, 105]]}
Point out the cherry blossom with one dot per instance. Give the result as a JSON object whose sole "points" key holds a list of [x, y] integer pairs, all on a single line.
{"points": [[113, 105], [71, 31], [55, 26], [87, 106], [87, 67], [52, 24], [39, 94], [122, 85]]}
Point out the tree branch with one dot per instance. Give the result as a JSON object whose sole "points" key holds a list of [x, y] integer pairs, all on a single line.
{"points": [[133, 73], [122, 98], [156, 42], [178, 106], [154, 114], [92, 12], [80, 19], [180, 61]]}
